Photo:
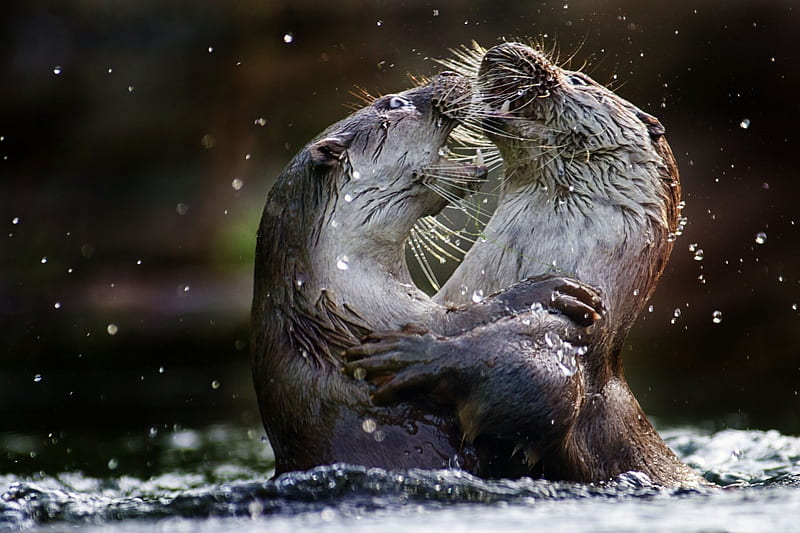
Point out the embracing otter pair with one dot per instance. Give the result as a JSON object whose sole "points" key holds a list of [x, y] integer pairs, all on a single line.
{"points": [[527, 381]]}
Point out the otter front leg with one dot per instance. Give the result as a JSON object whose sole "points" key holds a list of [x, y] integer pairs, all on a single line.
{"points": [[556, 294], [513, 379]]}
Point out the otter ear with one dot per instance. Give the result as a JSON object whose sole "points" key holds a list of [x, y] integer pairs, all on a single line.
{"points": [[329, 151], [654, 126]]}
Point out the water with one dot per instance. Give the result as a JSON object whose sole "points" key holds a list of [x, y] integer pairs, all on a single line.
{"points": [[218, 479]]}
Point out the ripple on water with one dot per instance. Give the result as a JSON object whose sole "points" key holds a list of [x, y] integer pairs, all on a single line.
{"points": [[766, 465]]}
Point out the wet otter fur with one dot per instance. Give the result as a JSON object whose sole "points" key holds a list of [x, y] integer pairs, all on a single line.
{"points": [[330, 268], [591, 190]]}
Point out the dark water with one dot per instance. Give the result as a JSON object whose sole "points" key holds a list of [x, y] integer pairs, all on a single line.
{"points": [[217, 479]]}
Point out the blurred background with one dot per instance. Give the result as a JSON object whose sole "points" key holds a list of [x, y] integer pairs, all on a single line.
{"points": [[138, 140]]}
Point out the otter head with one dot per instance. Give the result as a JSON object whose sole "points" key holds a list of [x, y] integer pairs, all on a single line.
{"points": [[580, 136], [385, 165]]}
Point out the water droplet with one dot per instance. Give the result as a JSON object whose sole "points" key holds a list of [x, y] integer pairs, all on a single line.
{"points": [[130, 88], [215, 384], [477, 295], [677, 312], [745, 123], [650, 309], [57, 70], [288, 38], [343, 262], [181, 209], [112, 329], [15, 220], [435, 12], [693, 247], [716, 317], [208, 141], [369, 425], [37, 378], [761, 237], [57, 305], [356, 175], [210, 49], [551, 339], [698, 254], [186, 288], [463, 290], [43, 260], [161, 370], [379, 23], [113, 463], [110, 70], [255, 509], [348, 197], [260, 122], [237, 184], [152, 432], [138, 261]]}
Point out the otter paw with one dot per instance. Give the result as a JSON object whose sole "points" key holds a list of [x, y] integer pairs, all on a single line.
{"points": [[578, 301], [393, 362]]}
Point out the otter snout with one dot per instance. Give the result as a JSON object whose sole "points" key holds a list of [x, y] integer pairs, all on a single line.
{"points": [[451, 95], [512, 76]]}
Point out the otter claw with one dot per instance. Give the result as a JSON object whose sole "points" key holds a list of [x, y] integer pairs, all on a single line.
{"points": [[391, 359], [580, 302], [379, 342], [396, 352]]}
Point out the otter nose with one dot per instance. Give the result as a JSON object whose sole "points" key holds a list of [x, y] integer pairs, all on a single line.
{"points": [[451, 93]]}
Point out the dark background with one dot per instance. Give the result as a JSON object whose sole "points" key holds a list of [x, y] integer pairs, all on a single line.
{"points": [[138, 140]]}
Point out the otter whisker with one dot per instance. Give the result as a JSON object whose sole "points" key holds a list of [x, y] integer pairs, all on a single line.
{"points": [[466, 59], [417, 251], [446, 232], [454, 200], [431, 237]]}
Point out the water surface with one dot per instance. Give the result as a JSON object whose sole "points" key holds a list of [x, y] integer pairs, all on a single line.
{"points": [[217, 478]]}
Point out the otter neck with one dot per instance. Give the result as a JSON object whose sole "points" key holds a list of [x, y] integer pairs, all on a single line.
{"points": [[542, 228], [369, 277]]}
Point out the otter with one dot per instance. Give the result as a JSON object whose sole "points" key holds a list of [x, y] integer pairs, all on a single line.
{"points": [[330, 268], [592, 191]]}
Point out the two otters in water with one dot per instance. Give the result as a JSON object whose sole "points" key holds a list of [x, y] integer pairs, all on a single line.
{"points": [[529, 380]]}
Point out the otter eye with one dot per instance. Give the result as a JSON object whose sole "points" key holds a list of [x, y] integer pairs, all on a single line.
{"points": [[576, 80], [396, 102]]}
